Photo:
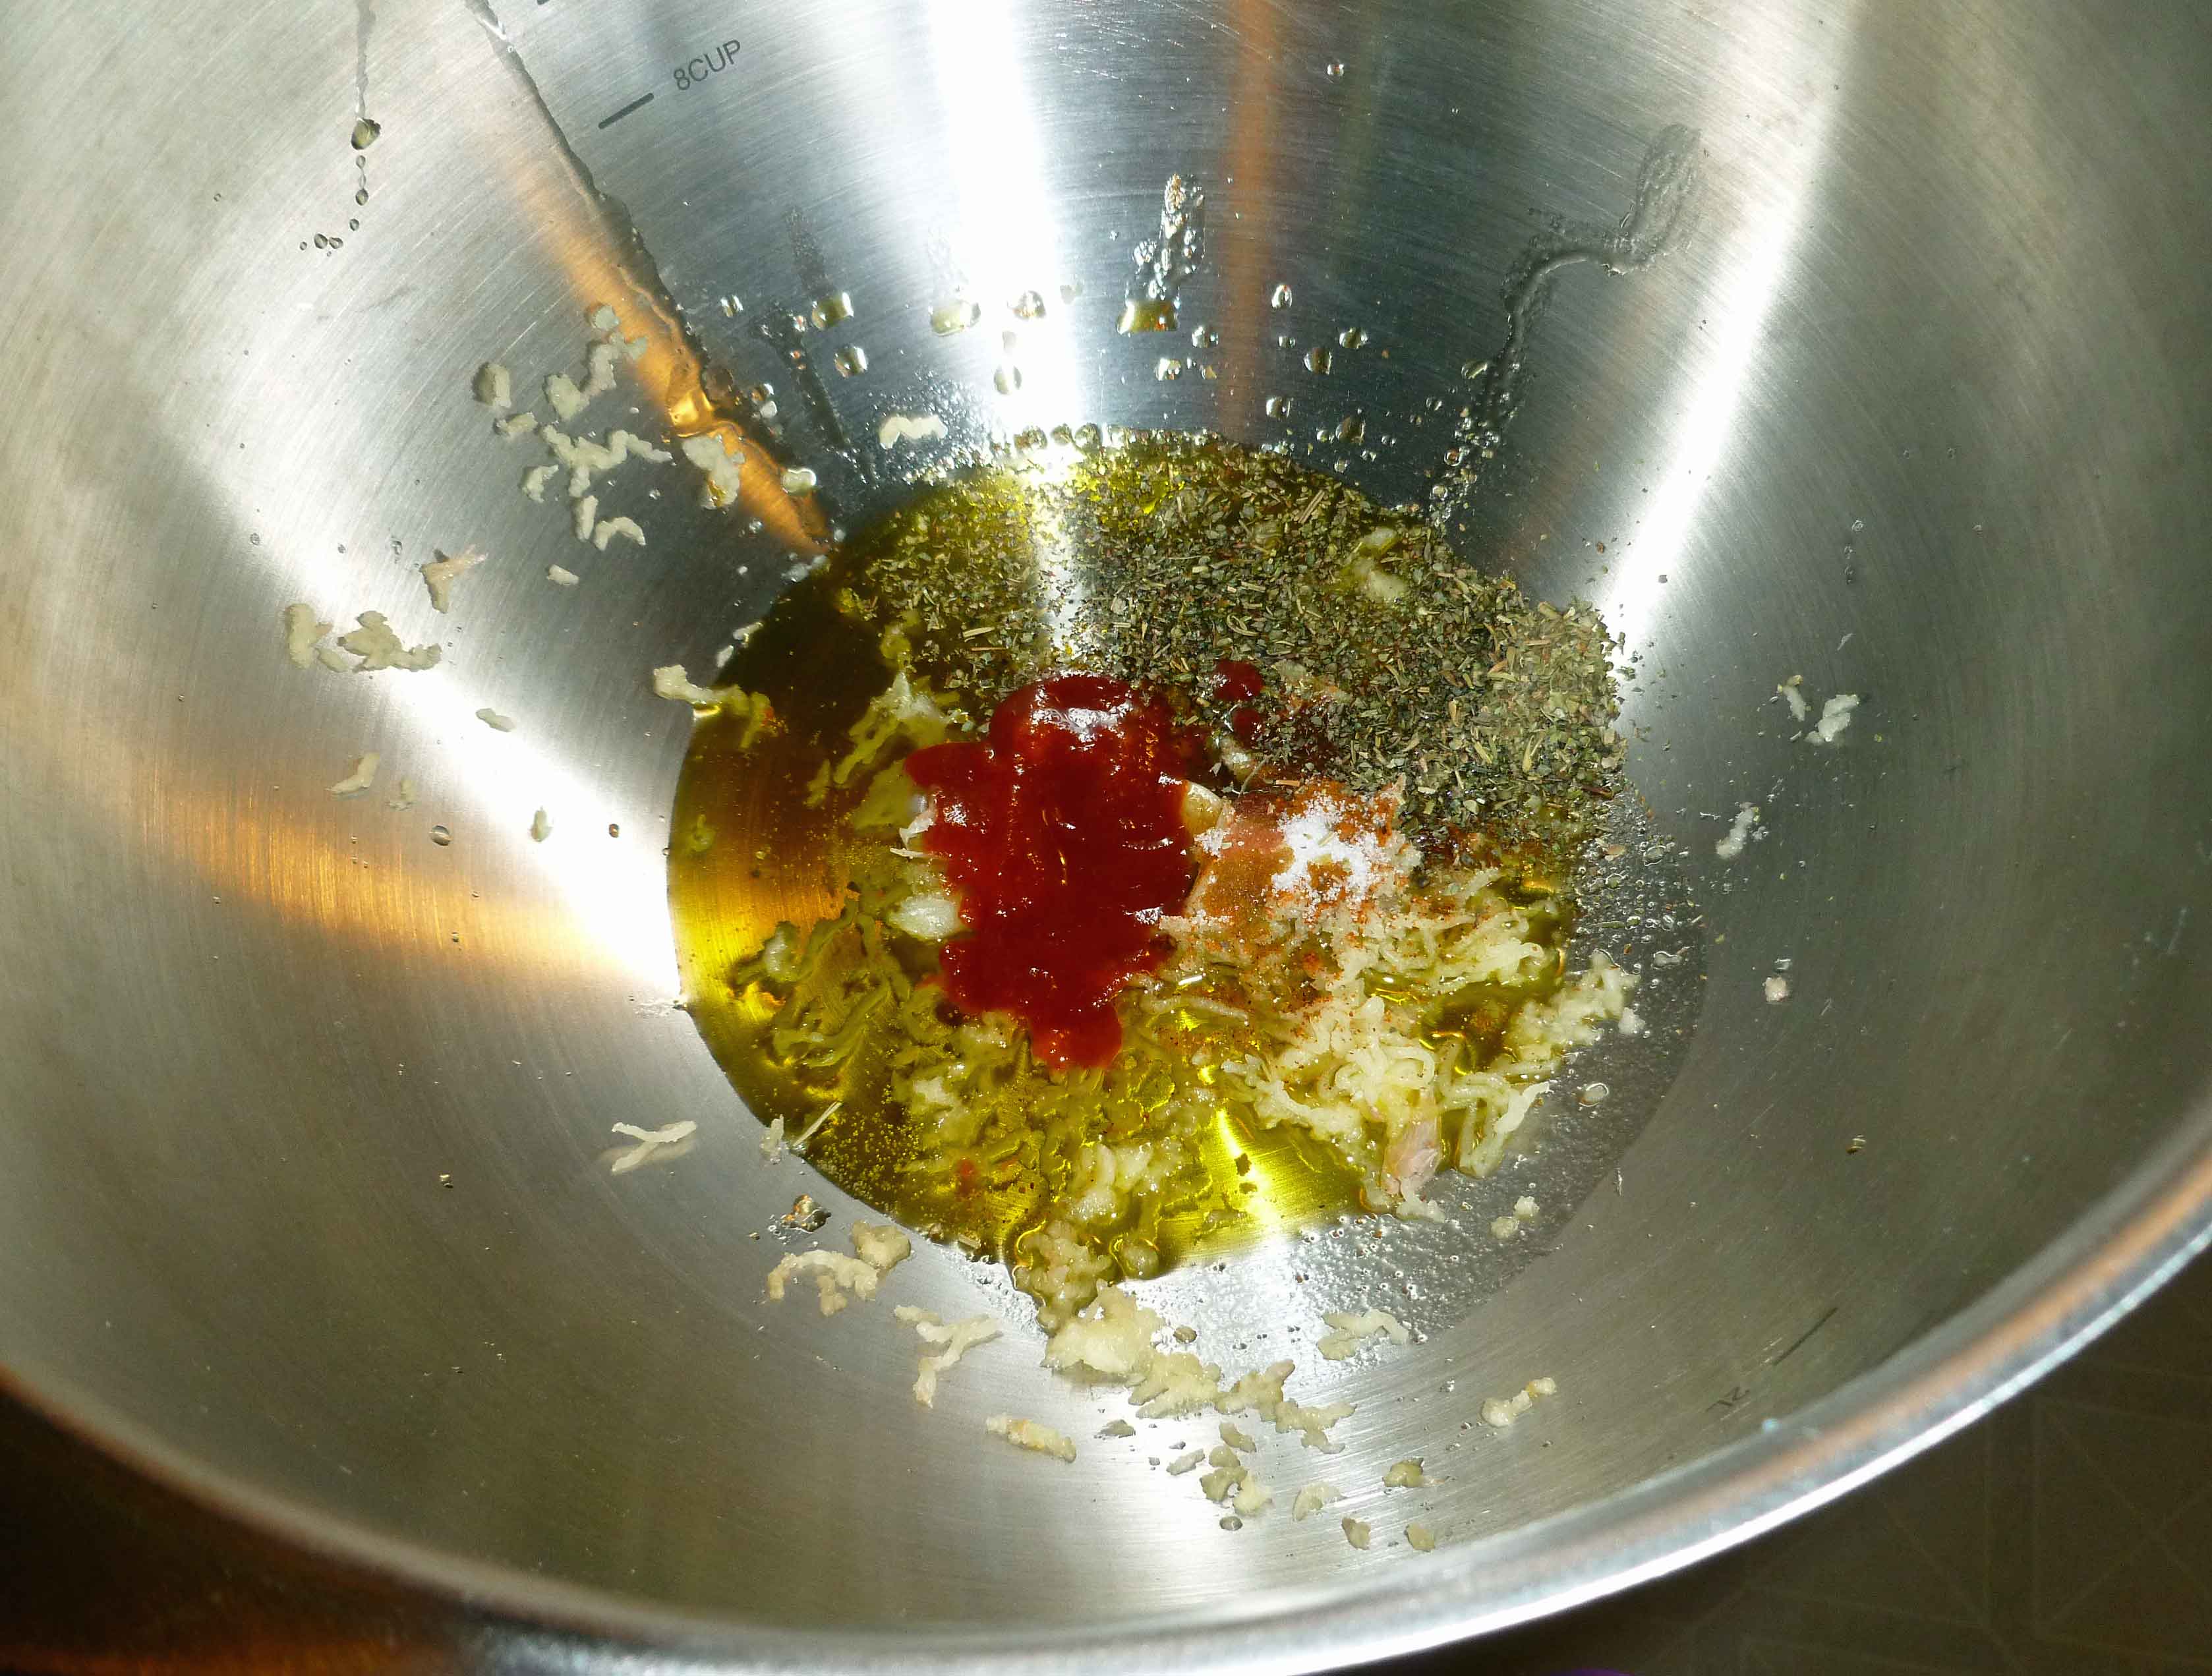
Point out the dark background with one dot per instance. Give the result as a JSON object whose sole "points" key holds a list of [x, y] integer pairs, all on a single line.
{"points": [[2071, 1532]]}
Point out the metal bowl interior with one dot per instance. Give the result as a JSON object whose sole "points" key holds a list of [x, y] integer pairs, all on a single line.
{"points": [[1910, 405]]}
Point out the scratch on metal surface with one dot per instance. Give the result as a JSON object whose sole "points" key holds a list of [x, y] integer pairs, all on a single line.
{"points": [[1826, 1315]]}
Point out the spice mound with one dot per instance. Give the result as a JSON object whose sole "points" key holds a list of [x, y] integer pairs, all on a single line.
{"points": [[1199, 847]]}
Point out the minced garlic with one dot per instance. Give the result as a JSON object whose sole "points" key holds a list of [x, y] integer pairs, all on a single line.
{"points": [[1031, 1434]]}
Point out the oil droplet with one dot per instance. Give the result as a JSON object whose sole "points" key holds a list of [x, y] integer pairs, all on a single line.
{"points": [[1351, 337], [1279, 407], [829, 310], [1473, 369], [1858, 523], [1146, 314], [441, 835], [1007, 378], [732, 307], [1204, 338], [1010, 341], [1280, 297], [365, 132], [957, 315], [321, 243], [1032, 440], [614, 830], [353, 226], [1333, 72], [1351, 429], [1168, 370], [361, 197], [1088, 440], [851, 361], [1319, 360], [1029, 306], [760, 394]]}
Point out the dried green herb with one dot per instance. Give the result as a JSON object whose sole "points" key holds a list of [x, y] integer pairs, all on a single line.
{"points": [[1389, 658]]}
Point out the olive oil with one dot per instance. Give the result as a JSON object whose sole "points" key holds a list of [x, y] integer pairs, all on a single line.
{"points": [[1150, 561], [750, 853]]}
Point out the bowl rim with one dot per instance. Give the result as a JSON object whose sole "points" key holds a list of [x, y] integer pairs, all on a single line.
{"points": [[2119, 1251]]}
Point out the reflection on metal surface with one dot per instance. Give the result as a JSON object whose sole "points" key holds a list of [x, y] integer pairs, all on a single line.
{"points": [[253, 849], [604, 261], [1756, 258], [1951, 281], [1006, 238], [1662, 209], [614, 914]]}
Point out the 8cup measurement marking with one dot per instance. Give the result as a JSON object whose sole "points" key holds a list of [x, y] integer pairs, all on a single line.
{"points": [[638, 104], [715, 60], [686, 75]]}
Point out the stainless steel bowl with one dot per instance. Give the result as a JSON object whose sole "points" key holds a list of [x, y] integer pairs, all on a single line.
{"points": [[307, 1117]]}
